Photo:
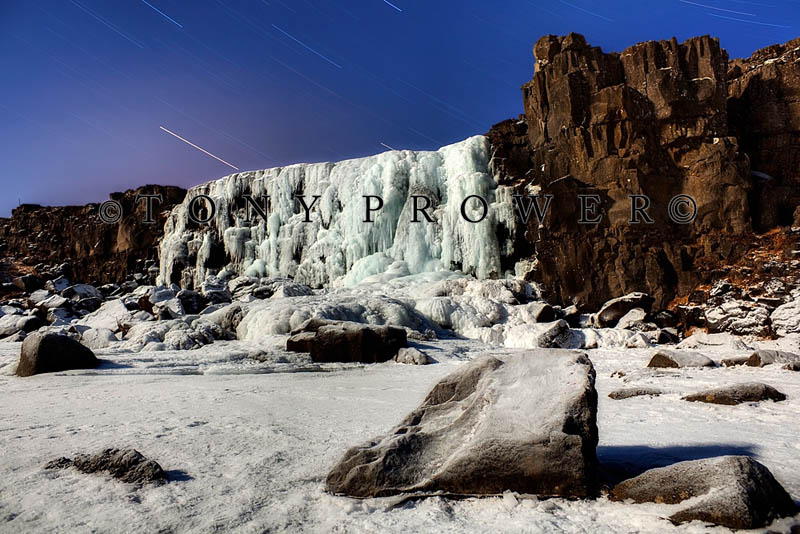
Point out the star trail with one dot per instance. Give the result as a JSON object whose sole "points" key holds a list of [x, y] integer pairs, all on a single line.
{"points": [[91, 86]]}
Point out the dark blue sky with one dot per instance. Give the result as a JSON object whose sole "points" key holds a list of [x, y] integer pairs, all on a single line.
{"points": [[87, 83]]}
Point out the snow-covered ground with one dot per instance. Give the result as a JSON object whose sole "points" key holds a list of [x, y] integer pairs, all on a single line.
{"points": [[248, 434]]}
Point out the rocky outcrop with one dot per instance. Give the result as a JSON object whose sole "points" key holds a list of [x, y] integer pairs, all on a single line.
{"points": [[475, 434], [98, 252], [660, 119], [733, 491], [764, 113]]}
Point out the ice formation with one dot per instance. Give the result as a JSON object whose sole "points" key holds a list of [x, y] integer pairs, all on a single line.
{"points": [[336, 247]]}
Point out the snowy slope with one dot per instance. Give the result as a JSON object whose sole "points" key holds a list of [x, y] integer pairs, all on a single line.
{"points": [[337, 243]]}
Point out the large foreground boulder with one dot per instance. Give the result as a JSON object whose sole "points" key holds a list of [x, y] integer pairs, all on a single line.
{"points": [[737, 394], [49, 353], [526, 423], [349, 342], [735, 491]]}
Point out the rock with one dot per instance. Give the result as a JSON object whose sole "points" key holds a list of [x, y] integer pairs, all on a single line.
{"points": [[412, 356], [109, 316], [53, 301], [572, 315], [169, 309], [108, 289], [679, 359], [88, 304], [57, 285], [301, 342], [29, 323], [733, 491], [127, 465], [542, 312], [352, 342], [760, 358], [737, 394], [48, 353], [786, 318], [735, 361], [82, 291], [160, 294], [556, 335], [8, 325], [613, 310], [215, 290], [16, 337], [98, 338], [634, 320], [28, 283], [627, 393], [191, 301], [666, 319], [738, 317], [474, 434], [793, 366]]}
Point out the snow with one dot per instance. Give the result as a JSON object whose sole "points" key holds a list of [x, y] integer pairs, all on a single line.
{"points": [[336, 246], [249, 451]]}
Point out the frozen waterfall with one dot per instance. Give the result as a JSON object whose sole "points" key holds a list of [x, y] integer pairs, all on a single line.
{"points": [[337, 247]]}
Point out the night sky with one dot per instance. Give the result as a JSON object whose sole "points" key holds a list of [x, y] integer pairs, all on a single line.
{"points": [[88, 84]]}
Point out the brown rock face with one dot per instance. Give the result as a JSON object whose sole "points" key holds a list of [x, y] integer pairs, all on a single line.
{"points": [[764, 112], [651, 120], [98, 252]]}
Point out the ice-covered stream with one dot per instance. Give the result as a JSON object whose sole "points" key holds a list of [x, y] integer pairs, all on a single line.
{"points": [[337, 246]]}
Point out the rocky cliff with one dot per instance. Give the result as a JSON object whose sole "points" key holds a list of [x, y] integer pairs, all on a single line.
{"points": [[659, 119], [36, 236]]}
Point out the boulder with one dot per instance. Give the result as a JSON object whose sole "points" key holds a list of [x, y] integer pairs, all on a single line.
{"points": [[735, 361], [98, 338], [475, 434], [733, 491], [110, 316], [613, 310], [760, 358], [127, 465], [627, 393], [351, 342], [215, 290], [192, 301], [555, 335], [741, 318], [737, 394], [679, 359], [82, 291], [57, 285], [48, 353], [786, 318], [634, 320], [28, 283], [412, 356]]}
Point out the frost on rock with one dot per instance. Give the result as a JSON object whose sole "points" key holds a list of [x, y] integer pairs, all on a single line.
{"points": [[336, 247]]}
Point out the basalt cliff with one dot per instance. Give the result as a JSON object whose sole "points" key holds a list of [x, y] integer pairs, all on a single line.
{"points": [[658, 119]]}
